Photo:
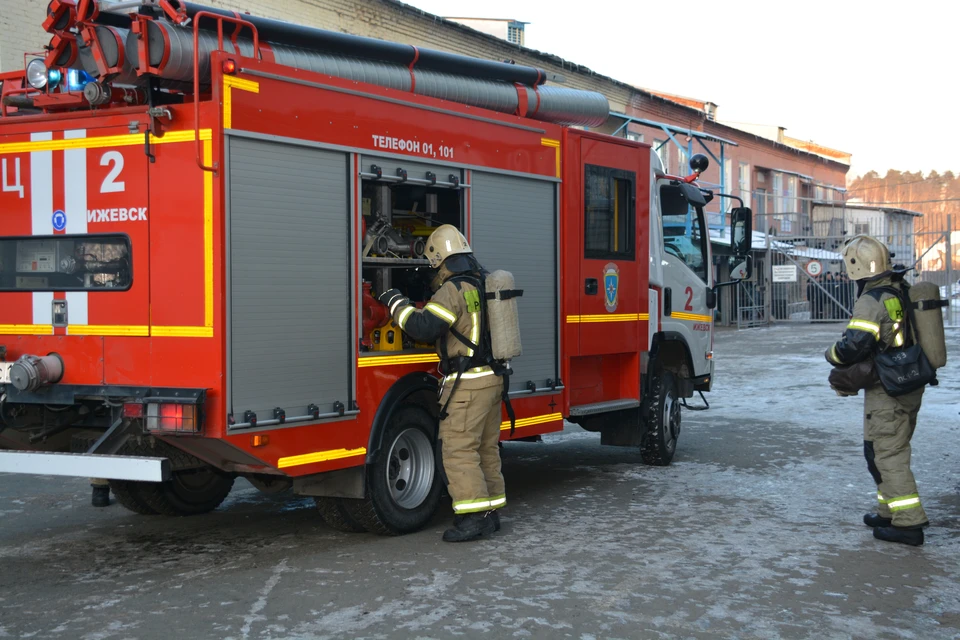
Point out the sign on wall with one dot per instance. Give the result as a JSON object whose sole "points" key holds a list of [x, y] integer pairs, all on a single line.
{"points": [[785, 273]]}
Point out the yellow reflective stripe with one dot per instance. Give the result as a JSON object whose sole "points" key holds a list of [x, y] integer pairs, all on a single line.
{"points": [[865, 325], [404, 314], [474, 331], [320, 456], [904, 502], [472, 374], [472, 506], [498, 501], [881, 499], [396, 303], [441, 312], [532, 421], [834, 355], [26, 329], [383, 361]]}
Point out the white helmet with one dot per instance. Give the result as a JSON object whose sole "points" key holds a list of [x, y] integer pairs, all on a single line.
{"points": [[866, 257], [444, 242]]}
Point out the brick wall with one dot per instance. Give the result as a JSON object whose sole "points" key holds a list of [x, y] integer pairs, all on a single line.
{"points": [[20, 31]]}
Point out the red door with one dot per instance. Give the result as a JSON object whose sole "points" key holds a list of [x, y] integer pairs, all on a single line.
{"points": [[609, 255]]}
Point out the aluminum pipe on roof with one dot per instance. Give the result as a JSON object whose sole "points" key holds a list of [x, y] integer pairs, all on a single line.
{"points": [[171, 49]]}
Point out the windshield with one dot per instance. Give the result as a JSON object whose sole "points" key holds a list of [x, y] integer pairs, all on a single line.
{"points": [[684, 230]]}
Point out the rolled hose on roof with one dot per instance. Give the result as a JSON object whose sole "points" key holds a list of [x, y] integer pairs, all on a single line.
{"points": [[172, 47], [278, 32]]}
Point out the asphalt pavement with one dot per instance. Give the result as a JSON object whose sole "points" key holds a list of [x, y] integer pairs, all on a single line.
{"points": [[753, 532]]}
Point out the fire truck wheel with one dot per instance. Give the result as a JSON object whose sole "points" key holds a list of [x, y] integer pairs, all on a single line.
{"points": [[335, 514], [661, 417], [127, 494], [189, 492], [404, 487]]}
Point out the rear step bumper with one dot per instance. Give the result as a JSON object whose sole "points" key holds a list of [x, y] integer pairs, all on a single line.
{"points": [[85, 465]]}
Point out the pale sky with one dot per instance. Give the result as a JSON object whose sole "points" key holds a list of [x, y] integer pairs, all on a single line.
{"points": [[878, 79]]}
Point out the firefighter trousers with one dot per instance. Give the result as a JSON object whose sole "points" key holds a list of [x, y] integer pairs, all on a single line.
{"points": [[888, 426], [470, 437]]}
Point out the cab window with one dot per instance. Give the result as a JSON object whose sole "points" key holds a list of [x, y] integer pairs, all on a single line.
{"points": [[609, 215], [66, 263], [684, 233]]}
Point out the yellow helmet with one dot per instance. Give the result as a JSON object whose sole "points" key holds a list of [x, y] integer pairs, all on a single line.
{"points": [[866, 257], [444, 242]]}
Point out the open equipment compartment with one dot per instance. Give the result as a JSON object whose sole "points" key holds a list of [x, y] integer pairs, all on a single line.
{"points": [[402, 202]]}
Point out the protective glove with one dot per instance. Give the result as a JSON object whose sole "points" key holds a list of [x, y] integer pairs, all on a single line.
{"points": [[390, 296]]}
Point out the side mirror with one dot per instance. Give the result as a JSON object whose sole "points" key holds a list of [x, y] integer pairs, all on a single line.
{"points": [[741, 231], [744, 270]]}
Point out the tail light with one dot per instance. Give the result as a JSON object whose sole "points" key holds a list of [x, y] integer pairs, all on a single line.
{"points": [[172, 418]]}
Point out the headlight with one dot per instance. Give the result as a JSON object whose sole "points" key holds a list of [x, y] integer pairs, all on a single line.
{"points": [[37, 73]]}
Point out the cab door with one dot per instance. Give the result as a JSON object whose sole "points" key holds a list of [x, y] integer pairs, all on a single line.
{"points": [[609, 256], [604, 372]]}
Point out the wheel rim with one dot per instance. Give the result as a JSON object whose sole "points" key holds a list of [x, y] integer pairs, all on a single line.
{"points": [[671, 420], [410, 468]]}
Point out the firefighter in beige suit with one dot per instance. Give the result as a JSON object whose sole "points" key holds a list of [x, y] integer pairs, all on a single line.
{"points": [[470, 406], [888, 422]]}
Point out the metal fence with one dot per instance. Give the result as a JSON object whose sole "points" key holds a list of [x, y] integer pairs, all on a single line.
{"points": [[799, 274]]}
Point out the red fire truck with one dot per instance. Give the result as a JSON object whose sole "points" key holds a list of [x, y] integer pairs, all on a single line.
{"points": [[198, 209]]}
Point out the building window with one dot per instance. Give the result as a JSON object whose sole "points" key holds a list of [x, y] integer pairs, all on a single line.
{"points": [[779, 206], [609, 221], [515, 33], [683, 166], [745, 183], [636, 137], [861, 229], [819, 193]]}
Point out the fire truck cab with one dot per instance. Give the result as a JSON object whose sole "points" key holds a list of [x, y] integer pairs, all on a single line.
{"points": [[195, 230]]}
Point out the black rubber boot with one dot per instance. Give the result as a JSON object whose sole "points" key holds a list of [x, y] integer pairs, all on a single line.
{"points": [[101, 495], [873, 520], [494, 515], [469, 527], [913, 537]]}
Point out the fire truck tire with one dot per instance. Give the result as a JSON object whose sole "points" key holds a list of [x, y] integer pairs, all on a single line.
{"points": [[190, 492], [404, 486], [661, 421], [335, 514], [127, 494]]}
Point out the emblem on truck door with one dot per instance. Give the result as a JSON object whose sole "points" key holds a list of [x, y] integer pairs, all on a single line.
{"points": [[611, 282]]}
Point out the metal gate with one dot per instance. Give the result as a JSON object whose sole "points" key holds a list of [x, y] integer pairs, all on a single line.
{"points": [[803, 279]]}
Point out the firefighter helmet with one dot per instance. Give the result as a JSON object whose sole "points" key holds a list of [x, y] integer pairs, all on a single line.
{"points": [[866, 257], [444, 242]]}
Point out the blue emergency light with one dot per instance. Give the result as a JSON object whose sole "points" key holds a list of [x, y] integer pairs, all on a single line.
{"points": [[77, 79]]}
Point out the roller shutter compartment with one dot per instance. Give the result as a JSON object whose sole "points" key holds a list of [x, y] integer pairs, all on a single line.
{"points": [[288, 233], [514, 225]]}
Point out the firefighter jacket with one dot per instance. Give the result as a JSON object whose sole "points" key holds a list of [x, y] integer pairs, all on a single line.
{"points": [[456, 305], [877, 322]]}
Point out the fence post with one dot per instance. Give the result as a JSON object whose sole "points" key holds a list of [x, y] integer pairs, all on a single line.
{"points": [[950, 318], [768, 274]]}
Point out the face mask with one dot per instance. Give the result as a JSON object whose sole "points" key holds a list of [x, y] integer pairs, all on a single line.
{"points": [[437, 281]]}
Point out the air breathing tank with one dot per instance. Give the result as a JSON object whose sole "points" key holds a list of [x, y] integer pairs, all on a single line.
{"points": [[503, 315], [928, 322]]}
